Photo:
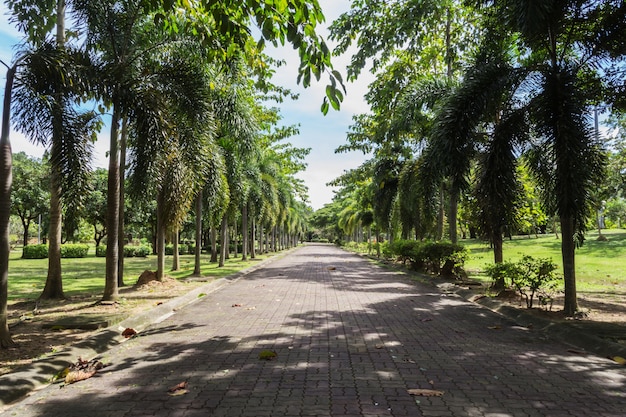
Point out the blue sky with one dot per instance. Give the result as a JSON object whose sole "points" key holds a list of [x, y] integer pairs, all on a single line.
{"points": [[323, 134]]}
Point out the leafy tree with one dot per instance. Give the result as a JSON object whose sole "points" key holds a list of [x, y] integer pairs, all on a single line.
{"points": [[30, 193], [95, 205]]}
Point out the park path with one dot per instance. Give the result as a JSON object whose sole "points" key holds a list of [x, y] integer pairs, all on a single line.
{"points": [[350, 340]]}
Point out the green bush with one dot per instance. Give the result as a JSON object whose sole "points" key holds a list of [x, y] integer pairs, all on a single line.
{"points": [[132, 251], [71, 250], [502, 272], [440, 258], [169, 249], [101, 251], [35, 252], [530, 277]]}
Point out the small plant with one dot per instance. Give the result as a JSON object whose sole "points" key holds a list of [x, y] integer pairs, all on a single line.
{"points": [[531, 278], [101, 251], [502, 272]]}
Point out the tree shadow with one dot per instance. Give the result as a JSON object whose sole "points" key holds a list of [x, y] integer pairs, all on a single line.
{"points": [[348, 341]]}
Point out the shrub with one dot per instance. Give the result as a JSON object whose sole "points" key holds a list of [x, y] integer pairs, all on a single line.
{"points": [[101, 251], [35, 252], [74, 250], [531, 277], [169, 249], [502, 272], [131, 251], [440, 258]]}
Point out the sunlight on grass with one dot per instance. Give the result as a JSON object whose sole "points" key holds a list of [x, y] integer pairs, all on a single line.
{"points": [[600, 266], [27, 277]]}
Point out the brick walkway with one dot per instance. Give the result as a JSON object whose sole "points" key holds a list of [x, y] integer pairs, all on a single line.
{"points": [[350, 339]]}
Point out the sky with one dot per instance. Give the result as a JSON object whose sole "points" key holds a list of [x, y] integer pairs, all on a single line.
{"points": [[323, 134]]}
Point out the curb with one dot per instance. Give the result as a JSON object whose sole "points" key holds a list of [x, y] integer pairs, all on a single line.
{"points": [[16, 385]]}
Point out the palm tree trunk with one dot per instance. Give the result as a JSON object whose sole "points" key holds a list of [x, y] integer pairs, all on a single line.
{"points": [[568, 248], [441, 214], [196, 267], [224, 243], [253, 238], [213, 244], [6, 178], [175, 255], [113, 210], [160, 240], [244, 232], [454, 209], [121, 238], [53, 288]]}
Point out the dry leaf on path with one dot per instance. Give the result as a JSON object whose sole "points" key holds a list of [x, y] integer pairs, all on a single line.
{"points": [[331, 268], [128, 333], [236, 305], [425, 392], [82, 370], [495, 327], [619, 360], [178, 389]]}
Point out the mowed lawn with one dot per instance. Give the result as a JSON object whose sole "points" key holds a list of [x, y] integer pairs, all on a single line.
{"points": [[27, 277], [600, 265]]}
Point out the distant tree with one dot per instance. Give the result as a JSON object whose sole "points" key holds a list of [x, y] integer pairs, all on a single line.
{"points": [[31, 190], [96, 204]]}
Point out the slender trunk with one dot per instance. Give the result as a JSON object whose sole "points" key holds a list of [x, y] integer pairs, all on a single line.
{"points": [[454, 206], [121, 238], [6, 178], [198, 249], [253, 238], [569, 270], [235, 240], [113, 210], [25, 236], [244, 232], [175, 254], [213, 244], [441, 214], [53, 290], [160, 239], [224, 243]]}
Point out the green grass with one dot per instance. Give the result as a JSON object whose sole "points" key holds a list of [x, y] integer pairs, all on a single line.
{"points": [[27, 277], [600, 266]]}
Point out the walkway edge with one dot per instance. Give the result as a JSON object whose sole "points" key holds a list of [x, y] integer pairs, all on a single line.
{"points": [[16, 385]]}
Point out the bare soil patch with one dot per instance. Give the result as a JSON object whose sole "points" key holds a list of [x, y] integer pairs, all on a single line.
{"points": [[32, 323]]}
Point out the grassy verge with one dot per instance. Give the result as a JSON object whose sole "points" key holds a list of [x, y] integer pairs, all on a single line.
{"points": [[27, 277], [600, 265]]}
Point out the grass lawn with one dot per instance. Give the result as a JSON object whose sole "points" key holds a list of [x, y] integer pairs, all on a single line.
{"points": [[600, 266], [27, 277]]}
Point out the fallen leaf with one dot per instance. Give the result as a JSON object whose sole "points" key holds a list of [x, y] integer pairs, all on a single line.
{"points": [[425, 392], [267, 355], [495, 327], [250, 308], [178, 389], [82, 370], [331, 268], [128, 333], [431, 382], [236, 305], [379, 346], [426, 319], [619, 360], [159, 303]]}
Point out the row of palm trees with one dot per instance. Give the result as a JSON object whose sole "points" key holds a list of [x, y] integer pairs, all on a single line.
{"points": [[514, 82], [184, 84]]}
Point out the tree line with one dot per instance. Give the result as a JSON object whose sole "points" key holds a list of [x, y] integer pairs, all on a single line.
{"points": [[186, 85], [482, 114]]}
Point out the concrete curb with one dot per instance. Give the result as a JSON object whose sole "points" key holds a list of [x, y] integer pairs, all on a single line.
{"points": [[16, 385]]}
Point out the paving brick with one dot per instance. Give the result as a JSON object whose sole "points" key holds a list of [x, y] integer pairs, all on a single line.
{"points": [[350, 342]]}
